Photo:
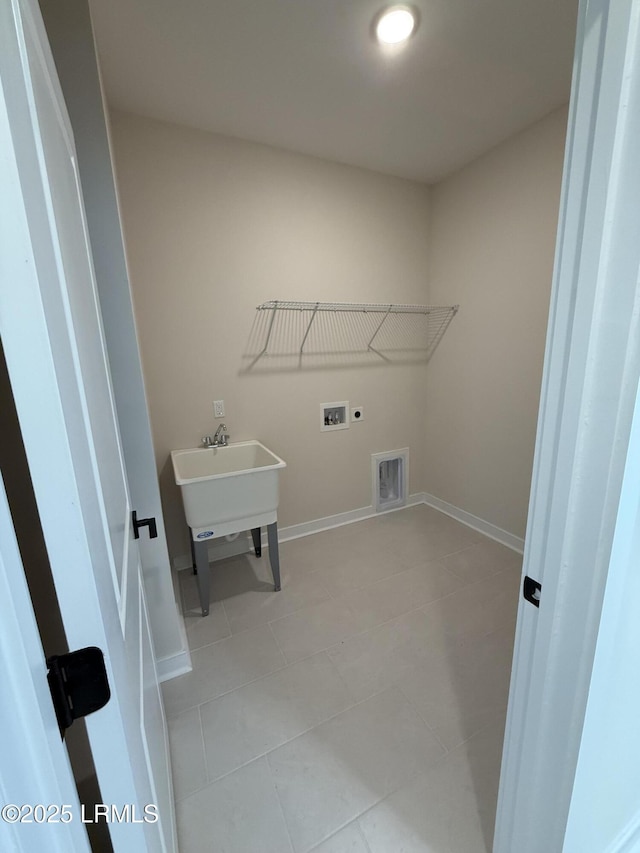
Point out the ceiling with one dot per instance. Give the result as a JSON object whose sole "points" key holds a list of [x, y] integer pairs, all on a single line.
{"points": [[307, 75]]}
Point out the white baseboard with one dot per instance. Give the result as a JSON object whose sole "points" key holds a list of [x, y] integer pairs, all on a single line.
{"points": [[306, 528], [479, 524], [220, 549], [174, 666], [180, 663], [181, 563]]}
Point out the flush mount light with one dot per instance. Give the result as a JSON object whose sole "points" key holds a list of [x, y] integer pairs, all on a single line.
{"points": [[395, 24]]}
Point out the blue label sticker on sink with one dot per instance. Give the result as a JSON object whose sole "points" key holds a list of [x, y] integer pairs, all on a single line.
{"points": [[204, 535]]}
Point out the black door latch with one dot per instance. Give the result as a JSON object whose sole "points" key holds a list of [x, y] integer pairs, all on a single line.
{"points": [[78, 683], [143, 522], [531, 590]]}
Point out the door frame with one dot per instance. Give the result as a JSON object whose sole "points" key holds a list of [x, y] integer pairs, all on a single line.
{"points": [[48, 384], [576, 381], [590, 384]]}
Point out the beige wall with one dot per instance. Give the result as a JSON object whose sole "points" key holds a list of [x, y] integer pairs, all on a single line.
{"points": [[493, 231], [215, 227]]}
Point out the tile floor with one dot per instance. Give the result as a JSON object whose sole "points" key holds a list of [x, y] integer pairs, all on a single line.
{"points": [[361, 708]]}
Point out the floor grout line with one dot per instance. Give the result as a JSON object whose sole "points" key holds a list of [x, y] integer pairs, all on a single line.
{"points": [[282, 811], [423, 718], [413, 774], [337, 596], [355, 704], [335, 832], [324, 649], [364, 838], [275, 640], [204, 746], [267, 752], [227, 620], [393, 790], [410, 781]]}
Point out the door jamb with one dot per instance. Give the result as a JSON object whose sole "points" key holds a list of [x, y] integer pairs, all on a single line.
{"points": [[592, 364]]}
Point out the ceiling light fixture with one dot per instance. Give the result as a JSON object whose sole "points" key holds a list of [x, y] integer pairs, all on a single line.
{"points": [[396, 24]]}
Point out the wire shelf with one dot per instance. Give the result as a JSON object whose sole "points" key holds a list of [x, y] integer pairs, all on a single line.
{"points": [[320, 333], [364, 307]]}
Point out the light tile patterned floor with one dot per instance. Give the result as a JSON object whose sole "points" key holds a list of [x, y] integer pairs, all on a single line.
{"points": [[359, 710]]}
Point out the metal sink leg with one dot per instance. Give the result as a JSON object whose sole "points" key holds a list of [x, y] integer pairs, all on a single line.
{"points": [[201, 554], [274, 556]]}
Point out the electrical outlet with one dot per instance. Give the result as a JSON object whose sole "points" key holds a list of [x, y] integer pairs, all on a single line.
{"points": [[357, 414], [218, 408]]}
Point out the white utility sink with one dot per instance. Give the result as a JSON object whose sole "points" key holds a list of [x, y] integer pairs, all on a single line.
{"points": [[227, 489]]}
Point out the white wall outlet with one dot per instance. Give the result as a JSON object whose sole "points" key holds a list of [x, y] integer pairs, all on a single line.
{"points": [[218, 408], [357, 414]]}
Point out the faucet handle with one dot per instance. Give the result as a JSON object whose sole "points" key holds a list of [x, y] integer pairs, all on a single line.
{"points": [[207, 440]]}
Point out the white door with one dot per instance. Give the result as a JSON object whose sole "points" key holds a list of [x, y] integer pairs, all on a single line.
{"points": [[52, 337], [34, 765], [590, 384]]}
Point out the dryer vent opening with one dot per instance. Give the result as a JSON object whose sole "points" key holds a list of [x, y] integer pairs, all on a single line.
{"points": [[390, 479]]}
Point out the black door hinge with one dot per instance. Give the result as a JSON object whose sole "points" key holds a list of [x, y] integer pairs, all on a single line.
{"points": [[531, 590], [78, 683], [144, 522]]}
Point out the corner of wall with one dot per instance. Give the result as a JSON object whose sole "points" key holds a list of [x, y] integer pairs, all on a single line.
{"points": [[492, 235]]}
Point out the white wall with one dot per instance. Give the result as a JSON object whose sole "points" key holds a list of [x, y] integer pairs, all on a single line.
{"points": [[215, 227], [493, 230]]}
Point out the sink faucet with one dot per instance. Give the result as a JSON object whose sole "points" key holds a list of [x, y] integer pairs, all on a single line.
{"points": [[220, 439]]}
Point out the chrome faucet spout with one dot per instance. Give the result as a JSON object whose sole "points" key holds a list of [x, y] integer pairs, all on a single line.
{"points": [[221, 437]]}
